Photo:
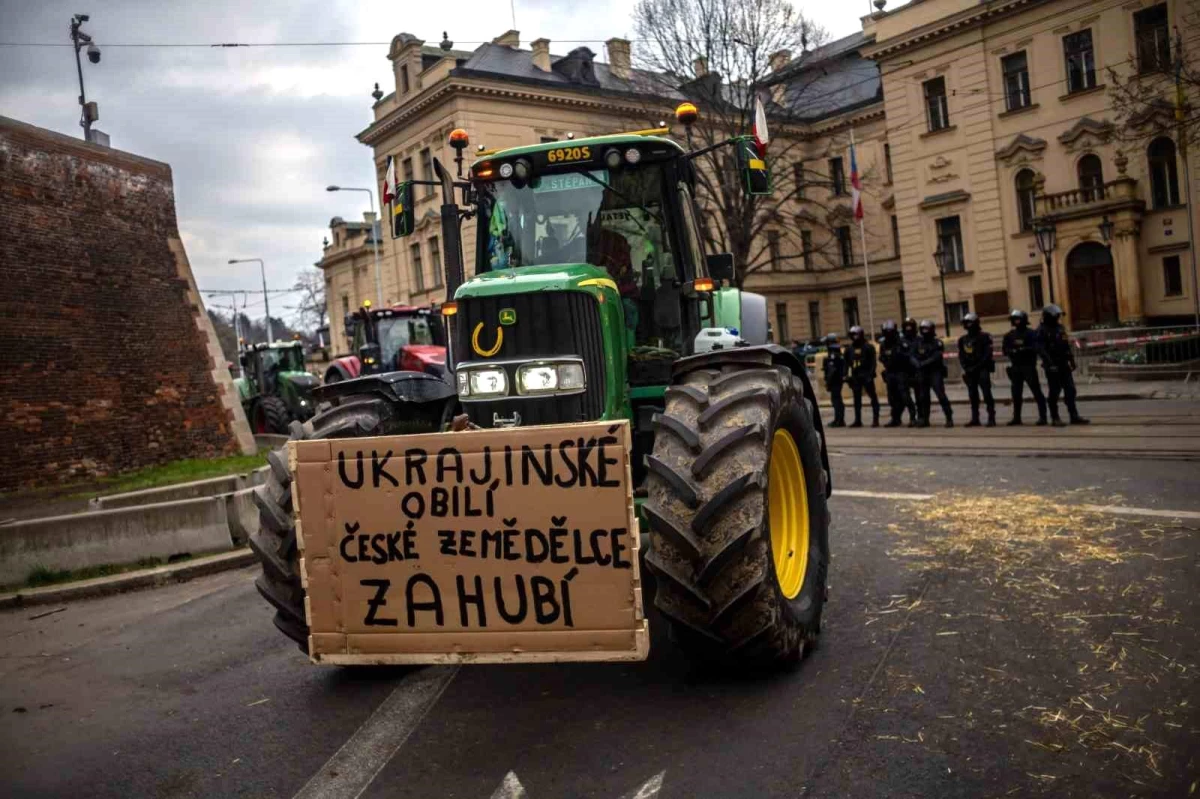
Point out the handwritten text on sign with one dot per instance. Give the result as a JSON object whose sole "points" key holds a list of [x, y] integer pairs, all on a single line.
{"points": [[527, 529]]}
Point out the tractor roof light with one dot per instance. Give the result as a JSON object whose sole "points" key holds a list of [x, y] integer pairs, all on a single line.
{"points": [[459, 139], [612, 158], [703, 284], [506, 170], [633, 155], [522, 169], [449, 308], [686, 113]]}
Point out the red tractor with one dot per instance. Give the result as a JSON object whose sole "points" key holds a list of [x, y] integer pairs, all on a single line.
{"points": [[399, 338]]}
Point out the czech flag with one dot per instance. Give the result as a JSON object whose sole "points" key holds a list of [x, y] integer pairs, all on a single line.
{"points": [[389, 182], [855, 186]]}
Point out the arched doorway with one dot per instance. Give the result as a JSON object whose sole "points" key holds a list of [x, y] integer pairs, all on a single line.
{"points": [[1092, 286]]}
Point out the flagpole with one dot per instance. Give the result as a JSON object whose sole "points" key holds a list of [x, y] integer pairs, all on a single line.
{"points": [[862, 231]]}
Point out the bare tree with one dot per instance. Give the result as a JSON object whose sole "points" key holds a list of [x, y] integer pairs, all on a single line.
{"points": [[718, 54], [311, 306], [1157, 92]]}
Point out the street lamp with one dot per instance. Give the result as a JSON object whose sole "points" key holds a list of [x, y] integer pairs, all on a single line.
{"points": [[266, 297], [1106, 231], [374, 238], [939, 258], [88, 112], [1047, 239]]}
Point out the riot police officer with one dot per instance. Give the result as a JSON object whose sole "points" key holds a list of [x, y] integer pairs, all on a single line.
{"points": [[931, 374], [908, 332], [862, 375], [1021, 346], [835, 376], [1058, 361], [978, 363], [898, 371]]}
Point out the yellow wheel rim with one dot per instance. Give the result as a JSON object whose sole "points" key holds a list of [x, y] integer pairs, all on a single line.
{"points": [[788, 514]]}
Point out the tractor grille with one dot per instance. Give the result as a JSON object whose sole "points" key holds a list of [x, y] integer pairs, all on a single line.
{"points": [[549, 323]]}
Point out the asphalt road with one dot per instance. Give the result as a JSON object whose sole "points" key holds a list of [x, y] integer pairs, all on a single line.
{"points": [[962, 656]]}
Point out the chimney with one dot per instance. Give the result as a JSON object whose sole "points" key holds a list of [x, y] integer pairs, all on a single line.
{"points": [[541, 54], [700, 66], [618, 58], [780, 59], [509, 39]]}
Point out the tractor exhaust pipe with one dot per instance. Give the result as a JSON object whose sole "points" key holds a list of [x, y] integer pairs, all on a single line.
{"points": [[451, 241]]}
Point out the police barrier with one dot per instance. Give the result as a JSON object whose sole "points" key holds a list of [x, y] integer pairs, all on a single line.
{"points": [[1138, 353]]}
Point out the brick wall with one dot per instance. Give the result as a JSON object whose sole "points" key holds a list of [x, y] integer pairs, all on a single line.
{"points": [[105, 364]]}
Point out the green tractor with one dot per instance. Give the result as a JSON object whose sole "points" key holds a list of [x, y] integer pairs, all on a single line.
{"points": [[591, 299], [274, 387]]}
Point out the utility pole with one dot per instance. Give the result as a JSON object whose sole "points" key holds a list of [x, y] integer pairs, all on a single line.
{"points": [[88, 112], [266, 294], [1182, 135]]}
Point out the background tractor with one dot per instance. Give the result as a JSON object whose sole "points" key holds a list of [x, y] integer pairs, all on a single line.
{"points": [[274, 387], [591, 287], [398, 338]]}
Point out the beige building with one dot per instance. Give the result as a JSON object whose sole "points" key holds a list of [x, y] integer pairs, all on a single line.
{"points": [[970, 120], [348, 263]]}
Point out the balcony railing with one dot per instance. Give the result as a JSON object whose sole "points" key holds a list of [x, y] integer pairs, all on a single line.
{"points": [[1062, 200]]}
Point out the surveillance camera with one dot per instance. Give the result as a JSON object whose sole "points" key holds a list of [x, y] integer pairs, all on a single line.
{"points": [[82, 17], [93, 54]]}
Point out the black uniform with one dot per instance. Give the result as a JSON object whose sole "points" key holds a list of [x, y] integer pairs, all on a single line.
{"points": [[1021, 345], [862, 378], [977, 361], [1059, 362], [931, 374], [835, 376], [898, 371], [909, 333]]}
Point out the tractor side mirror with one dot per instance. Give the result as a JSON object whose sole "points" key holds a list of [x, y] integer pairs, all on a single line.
{"points": [[402, 213], [756, 178], [720, 266]]}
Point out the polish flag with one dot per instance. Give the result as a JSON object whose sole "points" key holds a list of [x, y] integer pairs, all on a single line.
{"points": [[855, 186], [389, 182]]}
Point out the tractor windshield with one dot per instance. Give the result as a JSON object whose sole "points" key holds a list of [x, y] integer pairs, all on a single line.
{"points": [[398, 332], [283, 359], [613, 219]]}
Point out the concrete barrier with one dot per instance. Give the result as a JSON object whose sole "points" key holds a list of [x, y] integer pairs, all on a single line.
{"points": [[119, 536], [197, 488], [242, 514]]}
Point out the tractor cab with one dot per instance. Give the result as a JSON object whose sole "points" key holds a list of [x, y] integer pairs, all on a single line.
{"points": [[275, 388], [395, 338]]}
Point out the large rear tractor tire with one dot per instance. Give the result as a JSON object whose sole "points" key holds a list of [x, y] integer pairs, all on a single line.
{"points": [[739, 525], [271, 416], [275, 541]]}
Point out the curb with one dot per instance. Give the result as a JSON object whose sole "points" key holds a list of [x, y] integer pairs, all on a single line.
{"points": [[1007, 399], [130, 581], [850, 450]]}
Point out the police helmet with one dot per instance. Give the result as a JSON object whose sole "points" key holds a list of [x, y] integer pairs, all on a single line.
{"points": [[1051, 313], [831, 338], [970, 320], [856, 331], [1016, 316], [927, 326], [909, 322], [888, 326]]}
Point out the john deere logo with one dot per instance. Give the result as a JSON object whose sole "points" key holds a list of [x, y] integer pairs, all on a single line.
{"points": [[508, 316]]}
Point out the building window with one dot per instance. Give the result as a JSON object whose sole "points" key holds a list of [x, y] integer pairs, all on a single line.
{"points": [[1091, 177], [845, 247], [404, 79], [548, 139], [1016, 80], [1153, 36], [837, 176], [949, 237], [1036, 298], [799, 176], [345, 305], [1172, 276], [1025, 205], [850, 311], [814, 319], [956, 311], [435, 261], [406, 166], [1081, 61], [806, 246], [937, 112], [773, 249], [887, 161], [903, 305], [896, 235], [782, 331], [418, 272], [427, 169], [1164, 177]]}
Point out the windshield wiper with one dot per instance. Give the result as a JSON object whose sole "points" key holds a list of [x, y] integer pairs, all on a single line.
{"points": [[597, 180]]}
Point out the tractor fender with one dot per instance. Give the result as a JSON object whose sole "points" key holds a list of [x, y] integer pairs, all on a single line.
{"points": [[404, 387], [345, 368], [764, 355]]}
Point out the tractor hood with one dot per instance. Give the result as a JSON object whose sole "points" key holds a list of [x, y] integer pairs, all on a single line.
{"points": [[553, 277], [303, 381]]}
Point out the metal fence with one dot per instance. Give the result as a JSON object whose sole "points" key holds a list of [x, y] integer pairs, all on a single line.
{"points": [[1138, 353]]}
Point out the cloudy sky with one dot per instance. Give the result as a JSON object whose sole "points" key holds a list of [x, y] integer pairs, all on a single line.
{"points": [[253, 135]]}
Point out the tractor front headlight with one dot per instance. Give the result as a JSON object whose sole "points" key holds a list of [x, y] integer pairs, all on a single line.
{"points": [[561, 377], [487, 382]]}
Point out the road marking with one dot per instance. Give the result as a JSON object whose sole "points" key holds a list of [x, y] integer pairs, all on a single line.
{"points": [[883, 495], [353, 767], [1117, 510], [511, 788], [1122, 511]]}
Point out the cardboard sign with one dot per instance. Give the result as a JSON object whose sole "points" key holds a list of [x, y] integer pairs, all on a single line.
{"points": [[517, 544]]}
